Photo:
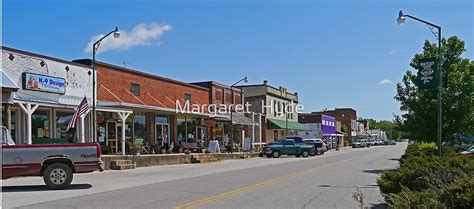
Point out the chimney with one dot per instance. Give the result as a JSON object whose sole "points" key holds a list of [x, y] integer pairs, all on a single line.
{"points": [[265, 82]]}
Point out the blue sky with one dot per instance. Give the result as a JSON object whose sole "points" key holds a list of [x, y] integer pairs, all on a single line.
{"points": [[333, 53]]}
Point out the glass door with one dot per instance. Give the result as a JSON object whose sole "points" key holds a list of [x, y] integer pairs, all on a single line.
{"points": [[162, 134]]}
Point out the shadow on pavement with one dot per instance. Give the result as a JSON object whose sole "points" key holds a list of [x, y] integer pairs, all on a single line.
{"points": [[36, 188], [374, 171], [379, 206], [350, 187]]}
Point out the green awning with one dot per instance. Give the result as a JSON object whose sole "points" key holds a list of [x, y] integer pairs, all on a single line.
{"points": [[282, 124]]}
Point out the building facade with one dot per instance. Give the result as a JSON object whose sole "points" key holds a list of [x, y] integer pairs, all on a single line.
{"points": [[322, 127], [278, 107], [348, 119], [155, 103], [48, 92], [245, 125]]}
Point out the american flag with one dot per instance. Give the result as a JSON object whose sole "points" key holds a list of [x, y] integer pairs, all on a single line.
{"points": [[81, 109]]}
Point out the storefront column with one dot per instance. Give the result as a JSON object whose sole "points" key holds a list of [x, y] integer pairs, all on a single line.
{"points": [[253, 127], [8, 118], [29, 111], [123, 117], [83, 135]]}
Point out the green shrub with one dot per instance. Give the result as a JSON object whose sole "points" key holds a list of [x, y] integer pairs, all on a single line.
{"points": [[459, 194], [409, 199], [423, 174]]}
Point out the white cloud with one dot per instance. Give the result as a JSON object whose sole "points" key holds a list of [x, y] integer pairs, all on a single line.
{"points": [[392, 52], [385, 81], [141, 34]]}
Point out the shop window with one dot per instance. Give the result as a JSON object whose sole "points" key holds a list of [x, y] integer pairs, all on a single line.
{"points": [[135, 89], [218, 95], [139, 126], [40, 124], [62, 121], [238, 99], [181, 126], [187, 97], [186, 130]]}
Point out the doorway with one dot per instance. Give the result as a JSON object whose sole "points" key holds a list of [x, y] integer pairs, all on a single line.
{"points": [[162, 134], [111, 136], [201, 133]]}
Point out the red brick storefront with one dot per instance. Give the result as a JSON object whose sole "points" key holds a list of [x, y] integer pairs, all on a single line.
{"points": [[151, 97]]}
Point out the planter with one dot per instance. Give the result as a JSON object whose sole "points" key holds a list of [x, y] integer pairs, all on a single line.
{"points": [[134, 151]]}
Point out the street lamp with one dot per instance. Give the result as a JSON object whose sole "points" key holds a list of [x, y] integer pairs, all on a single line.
{"points": [[401, 20], [95, 47], [232, 122]]}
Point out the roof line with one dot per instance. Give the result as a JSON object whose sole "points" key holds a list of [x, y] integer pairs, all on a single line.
{"points": [[44, 57]]}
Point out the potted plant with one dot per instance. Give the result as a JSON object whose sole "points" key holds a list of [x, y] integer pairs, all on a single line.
{"points": [[135, 147]]}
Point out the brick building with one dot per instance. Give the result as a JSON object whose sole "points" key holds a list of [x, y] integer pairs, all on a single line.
{"points": [[245, 125], [348, 119], [153, 101]]}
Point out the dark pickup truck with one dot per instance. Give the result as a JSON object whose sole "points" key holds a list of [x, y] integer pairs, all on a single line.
{"points": [[287, 147]]}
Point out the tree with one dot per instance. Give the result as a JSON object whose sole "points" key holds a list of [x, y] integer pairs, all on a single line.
{"points": [[419, 107]]}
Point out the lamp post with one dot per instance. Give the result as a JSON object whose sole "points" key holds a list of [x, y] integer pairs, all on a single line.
{"points": [[95, 47], [232, 122], [401, 20]]}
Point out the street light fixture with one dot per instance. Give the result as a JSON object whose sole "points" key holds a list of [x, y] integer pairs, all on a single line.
{"points": [[95, 47], [401, 20], [231, 121]]}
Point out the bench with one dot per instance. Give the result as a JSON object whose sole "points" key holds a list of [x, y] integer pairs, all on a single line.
{"points": [[192, 147]]}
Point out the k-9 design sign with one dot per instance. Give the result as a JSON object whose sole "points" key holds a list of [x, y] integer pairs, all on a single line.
{"points": [[44, 83]]}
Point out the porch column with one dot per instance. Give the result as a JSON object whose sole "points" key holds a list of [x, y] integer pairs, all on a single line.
{"points": [[123, 117], [29, 111], [260, 126], [253, 127], [82, 133]]}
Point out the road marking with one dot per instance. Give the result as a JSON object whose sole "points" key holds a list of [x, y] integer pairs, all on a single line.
{"points": [[223, 195]]}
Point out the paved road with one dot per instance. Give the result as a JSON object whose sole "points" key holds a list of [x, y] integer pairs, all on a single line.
{"points": [[326, 181]]}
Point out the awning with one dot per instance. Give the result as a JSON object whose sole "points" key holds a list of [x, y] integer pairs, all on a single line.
{"points": [[282, 124], [236, 119], [7, 83]]}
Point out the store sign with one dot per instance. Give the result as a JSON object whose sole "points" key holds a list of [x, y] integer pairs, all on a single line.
{"points": [[37, 82], [426, 77]]}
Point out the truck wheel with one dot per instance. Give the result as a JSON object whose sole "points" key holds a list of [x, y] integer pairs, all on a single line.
{"points": [[57, 176], [268, 156], [305, 153], [312, 153], [276, 154], [297, 155]]}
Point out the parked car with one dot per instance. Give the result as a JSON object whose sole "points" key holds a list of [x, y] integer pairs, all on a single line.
{"points": [[288, 147], [318, 145], [469, 151], [379, 142], [372, 142], [458, 147], [361, 143], [391, 142], [297, 139], [56, 163]]}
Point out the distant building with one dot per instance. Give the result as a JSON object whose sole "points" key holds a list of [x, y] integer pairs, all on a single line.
{"points": [[348, 119], [321, 126], [271, 102]]}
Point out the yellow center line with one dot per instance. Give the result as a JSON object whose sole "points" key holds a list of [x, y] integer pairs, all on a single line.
{"points": [[223, 195]]}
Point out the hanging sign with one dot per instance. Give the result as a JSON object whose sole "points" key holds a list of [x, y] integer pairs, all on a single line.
{"points": [[426, 77], [37, 82]]}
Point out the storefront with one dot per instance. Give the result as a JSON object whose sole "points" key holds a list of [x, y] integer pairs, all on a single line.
{"points": [[49, 91], [151, 102]]}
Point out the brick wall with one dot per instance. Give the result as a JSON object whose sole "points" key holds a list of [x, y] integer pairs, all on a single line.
{"points": [[114, 86]]}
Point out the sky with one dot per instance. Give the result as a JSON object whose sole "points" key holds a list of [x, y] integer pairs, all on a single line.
{"points": [[333, 53]]}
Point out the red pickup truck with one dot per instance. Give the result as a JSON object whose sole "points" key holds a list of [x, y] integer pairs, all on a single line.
{"points": [[55, 162]]}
